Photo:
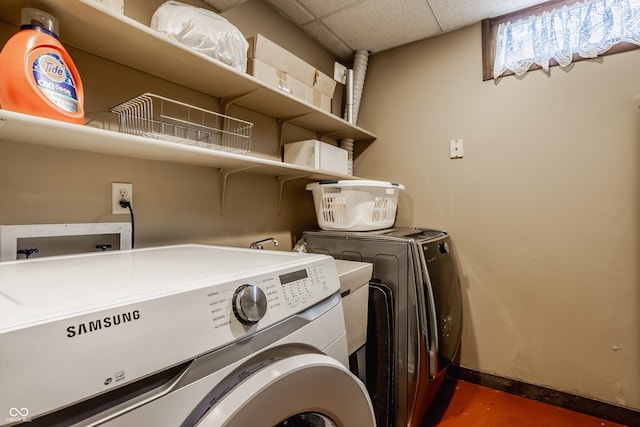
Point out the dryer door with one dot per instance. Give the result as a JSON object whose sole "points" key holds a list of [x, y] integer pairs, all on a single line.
{"points": [[305, 389]]}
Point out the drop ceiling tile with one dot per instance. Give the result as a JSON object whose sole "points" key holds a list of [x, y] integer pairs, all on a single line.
{"points": [[329, 40], [378, 25], [295, 11], [321, 8], [460, 13]]}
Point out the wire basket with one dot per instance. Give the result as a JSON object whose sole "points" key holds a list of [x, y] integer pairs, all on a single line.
{"points": [[162, 118]]}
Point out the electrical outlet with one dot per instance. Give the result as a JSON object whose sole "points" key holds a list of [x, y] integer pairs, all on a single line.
{"points": [[121, 191]]}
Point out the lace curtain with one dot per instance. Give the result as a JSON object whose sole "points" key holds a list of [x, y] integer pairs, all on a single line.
{"points": [[588, 29]]}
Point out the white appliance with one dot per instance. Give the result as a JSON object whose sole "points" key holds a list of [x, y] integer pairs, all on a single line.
{"points": [[176, 336]]}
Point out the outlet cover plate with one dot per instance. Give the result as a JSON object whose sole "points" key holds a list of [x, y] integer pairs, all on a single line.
{"points": [[121, 190], [457, 149]]}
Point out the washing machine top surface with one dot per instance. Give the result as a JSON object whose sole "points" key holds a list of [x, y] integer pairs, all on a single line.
{"points": [[43, 289], [84, 324]]}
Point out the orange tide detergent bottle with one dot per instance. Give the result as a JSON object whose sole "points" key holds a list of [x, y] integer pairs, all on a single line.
{"points": [[37, 75]]}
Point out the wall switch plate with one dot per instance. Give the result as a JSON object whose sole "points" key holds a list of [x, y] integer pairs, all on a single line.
{"points": [[121, 191], [457, 149]]}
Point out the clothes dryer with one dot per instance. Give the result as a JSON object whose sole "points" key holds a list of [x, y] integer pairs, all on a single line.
{"points": [[415, 314], [188, 335]]}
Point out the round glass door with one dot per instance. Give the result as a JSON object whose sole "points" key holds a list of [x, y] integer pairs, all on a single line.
{"points": [[307, 419], [300, 390]]}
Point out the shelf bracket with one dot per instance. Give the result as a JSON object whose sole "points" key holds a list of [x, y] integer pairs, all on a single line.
{"points": [[226, 173], [281, 124], [282, 180], [228, 102]]}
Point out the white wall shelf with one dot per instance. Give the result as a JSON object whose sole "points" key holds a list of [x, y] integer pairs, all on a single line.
{"points": [[52, 133], [93, 28]]}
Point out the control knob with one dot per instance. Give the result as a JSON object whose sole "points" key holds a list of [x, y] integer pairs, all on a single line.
{"points": [[249, 304]]}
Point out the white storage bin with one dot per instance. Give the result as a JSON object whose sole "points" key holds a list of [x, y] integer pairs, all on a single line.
{"points": [[355, 205], [316, 154]]}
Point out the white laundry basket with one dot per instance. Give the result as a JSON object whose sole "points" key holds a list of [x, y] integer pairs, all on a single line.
{"points": [[355, 205]]}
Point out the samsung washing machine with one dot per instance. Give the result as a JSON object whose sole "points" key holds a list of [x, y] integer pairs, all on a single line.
{"points": [[415, 314], [187, 335]]}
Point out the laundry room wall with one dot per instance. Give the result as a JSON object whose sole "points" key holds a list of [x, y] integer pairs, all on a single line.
{"points": [[173, 203], [544, 207]]}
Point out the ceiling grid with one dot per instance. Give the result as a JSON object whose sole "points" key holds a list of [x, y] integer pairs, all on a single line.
{"points": [[343, 26]]}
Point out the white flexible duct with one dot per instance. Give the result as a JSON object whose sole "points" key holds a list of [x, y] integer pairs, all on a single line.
{"points": [[360, 62], [355, 84]]}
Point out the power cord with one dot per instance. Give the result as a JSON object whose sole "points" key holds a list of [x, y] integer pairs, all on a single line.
{"points": [[126, 204]]}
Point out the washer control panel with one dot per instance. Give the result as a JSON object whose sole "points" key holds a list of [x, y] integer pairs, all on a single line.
{"points": [[267, 299]]}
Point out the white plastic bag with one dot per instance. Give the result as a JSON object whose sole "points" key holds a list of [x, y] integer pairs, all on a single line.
{"points": [[203, 31]]}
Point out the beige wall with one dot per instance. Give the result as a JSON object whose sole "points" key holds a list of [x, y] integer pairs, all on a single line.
{"points": [[544, 208]]}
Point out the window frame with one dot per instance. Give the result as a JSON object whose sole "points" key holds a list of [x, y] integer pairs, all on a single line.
{"points": [[490, 30]]}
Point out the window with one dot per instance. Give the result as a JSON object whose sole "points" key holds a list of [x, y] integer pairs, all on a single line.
{"points": [[558, 32]]}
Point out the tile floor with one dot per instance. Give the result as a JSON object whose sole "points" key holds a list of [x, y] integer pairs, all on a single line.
{"points": [[472, 405]]}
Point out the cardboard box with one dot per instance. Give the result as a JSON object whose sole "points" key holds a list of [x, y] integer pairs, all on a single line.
{"points": [[278, 78], [270, 75], [264, 53], [324, 84], [285, 82], [317, 154], [270, 53], [321, 100]]}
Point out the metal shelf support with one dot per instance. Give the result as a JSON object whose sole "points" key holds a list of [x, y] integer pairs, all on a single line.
{"points": [[282, 180], [226, 173], [282, 122], [228, 102]]}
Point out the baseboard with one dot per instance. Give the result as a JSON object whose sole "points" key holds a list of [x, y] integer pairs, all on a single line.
{"points": [[581, 404]]}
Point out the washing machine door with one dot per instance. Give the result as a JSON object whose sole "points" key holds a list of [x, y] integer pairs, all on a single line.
{"points": [[301, 390]]}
